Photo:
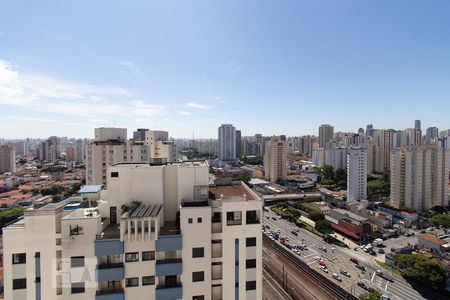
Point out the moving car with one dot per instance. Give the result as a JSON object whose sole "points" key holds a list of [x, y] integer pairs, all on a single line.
{"points": [[322, 248], [323, 269], [354, 260], [344, 272], [318, 258], [362, 285], [361, 267], [294, 232], [337, 277], [385, 297]]}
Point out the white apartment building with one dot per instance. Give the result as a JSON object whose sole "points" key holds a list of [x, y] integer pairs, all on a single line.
{"points": [[326, 133], [356, 174], [419, 177], [105, 151], [7, 159], [160, 232], [227, 142], [275, 159], [80, 151]]}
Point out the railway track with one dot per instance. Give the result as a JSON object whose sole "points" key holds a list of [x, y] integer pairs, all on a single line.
{"points": [[332, 288]]}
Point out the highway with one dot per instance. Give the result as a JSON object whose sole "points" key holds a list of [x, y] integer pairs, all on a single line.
{"points": [[340, 259]]}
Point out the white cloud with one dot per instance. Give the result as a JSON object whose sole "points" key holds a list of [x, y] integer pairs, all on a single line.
{"points": [[45, 94], [197, 105], [185, 113], [26, 118]]}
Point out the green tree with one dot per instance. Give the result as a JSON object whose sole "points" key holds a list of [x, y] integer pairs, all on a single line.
{"points": [[9, 215], [242, 177], [441, 220], [371, 294], [56, 198], [327, 172], [316, 215], [422, 268], [323, 226]]}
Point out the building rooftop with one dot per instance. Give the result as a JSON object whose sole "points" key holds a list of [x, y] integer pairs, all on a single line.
{"points": [[142, 211], [90, 189], [431, 238], [232, 190]]}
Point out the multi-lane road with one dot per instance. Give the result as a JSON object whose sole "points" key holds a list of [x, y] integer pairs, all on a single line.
{"points": [[337, 258]]}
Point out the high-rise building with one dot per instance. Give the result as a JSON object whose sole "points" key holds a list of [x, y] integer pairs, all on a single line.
{"points": [[48, 150], [7, 159], [110, 146], [227, 142], [70, 153], [326, 133], [275, 159], [79, 151], [431, 135], [139, 134], [418, 125], [160, 232], [419, 177], [238, 144], [357, 174], [369, 130]]}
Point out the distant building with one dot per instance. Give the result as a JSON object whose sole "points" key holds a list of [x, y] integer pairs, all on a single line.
{"points": [[7, 159], [357, 174], [418, 125], [70, 153], [431, 135], [326, 133], [227, 142], [139, 134], [275, 159], [238, 144], [80, 150], [419, 177]]}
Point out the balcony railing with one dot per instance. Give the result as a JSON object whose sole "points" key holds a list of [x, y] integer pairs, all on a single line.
{"points": [[109, 265], [169, 286], [107, 291], [234, 222], [168, 260]]}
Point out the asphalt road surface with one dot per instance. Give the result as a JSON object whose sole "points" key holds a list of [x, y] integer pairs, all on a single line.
{"points": [[340, 259]]}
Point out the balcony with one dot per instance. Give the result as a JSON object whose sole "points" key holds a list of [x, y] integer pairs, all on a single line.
{"points": [[110, 294], [169, 243], [169, 267], [234, 222], [110, 272], [216, 227], [171, 292]]}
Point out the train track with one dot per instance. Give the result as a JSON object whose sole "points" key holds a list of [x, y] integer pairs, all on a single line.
{"points": [[332, 288]]}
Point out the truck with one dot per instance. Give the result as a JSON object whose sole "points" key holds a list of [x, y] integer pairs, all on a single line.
{"points": [[378, 242]]}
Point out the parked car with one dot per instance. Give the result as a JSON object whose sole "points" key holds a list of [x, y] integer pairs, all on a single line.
{"points": [[318, 258], [322, 248], [385, 297], [354, 260], [294, 233], [344, 272], [381, 251], [361, 267]]}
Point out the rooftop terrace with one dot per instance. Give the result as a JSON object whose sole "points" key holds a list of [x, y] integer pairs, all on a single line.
{"points": [[232, 190]]}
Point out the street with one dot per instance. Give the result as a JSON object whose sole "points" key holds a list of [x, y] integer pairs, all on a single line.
{"points": [[339, 259]]}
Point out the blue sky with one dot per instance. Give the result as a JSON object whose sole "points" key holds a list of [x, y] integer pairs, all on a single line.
{"points": [[271, 67]]}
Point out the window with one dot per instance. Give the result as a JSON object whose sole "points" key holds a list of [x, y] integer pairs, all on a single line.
{"points": [[148, 280], [114, 174], [77, 230], [251, 217], [148, 255], [198, 252], [77, 287], [19, 284], [198, 276], [250, 263], [190, 220], [77, 261], [234, 218], [199, 220], [198, 297], [131, 256], [19, 258], [250, 285], [130, 282], [250, 242]]}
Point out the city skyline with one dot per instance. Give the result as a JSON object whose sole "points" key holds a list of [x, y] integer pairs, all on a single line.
{"points": [[189, 67]]}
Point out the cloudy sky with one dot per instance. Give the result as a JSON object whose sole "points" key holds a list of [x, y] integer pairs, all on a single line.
{"points": [[271, 67]]}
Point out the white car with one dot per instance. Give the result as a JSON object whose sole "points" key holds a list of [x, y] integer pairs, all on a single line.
{"points": [[318, 258], [384, 297]]}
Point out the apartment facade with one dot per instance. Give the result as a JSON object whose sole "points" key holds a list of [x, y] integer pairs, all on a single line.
{"points": [[357, 174], [419, 177], [227, 142], [326, 133], [160, 232], [111, 146], [7, 159], [275, 159]]}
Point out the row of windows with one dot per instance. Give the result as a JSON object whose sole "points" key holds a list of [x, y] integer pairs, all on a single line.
{"points": [[134, 256], [199, 220], [134, 281]]}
